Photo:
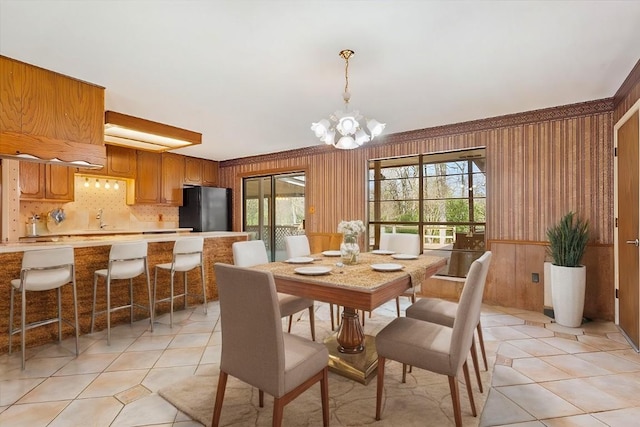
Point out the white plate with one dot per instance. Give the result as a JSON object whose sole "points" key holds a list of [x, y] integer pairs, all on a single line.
{"points": [[331, 253], [382, 252], [313, 271], [387, 267], [404, 256], [300, 260]]}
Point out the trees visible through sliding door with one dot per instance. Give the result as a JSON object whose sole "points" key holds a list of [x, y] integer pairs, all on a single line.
{"points": [[274, 207]]}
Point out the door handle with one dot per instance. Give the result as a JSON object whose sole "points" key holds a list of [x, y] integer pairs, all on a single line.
{"points": [[634, 242]]}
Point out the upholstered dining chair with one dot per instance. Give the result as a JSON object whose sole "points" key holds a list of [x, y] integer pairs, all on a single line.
{"points": [[187, 255], [437, 348], [126, 261], [43, 270], [256, 351], [254, 252], [298, 246], [443, 312], [403, 243]]}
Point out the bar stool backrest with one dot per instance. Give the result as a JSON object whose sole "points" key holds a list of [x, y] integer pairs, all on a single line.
{"points": [[187, 253], [128, 259], [44, 269]]}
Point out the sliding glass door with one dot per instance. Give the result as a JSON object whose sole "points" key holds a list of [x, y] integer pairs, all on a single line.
{"points": [[273, 207]]}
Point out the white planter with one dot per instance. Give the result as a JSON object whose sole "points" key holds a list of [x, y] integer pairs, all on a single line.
{"points": [[567, 293]]}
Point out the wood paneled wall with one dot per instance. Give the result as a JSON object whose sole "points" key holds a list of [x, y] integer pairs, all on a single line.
{"points": [[540, 165]]}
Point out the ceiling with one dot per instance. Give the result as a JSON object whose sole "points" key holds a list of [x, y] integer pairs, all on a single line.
{"points": [[252, 76]]}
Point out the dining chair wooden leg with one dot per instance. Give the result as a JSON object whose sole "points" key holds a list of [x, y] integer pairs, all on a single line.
{"points": [[278, 409], [404, 373], [398, 306], [455, 399], [217, 410], [324, 394], [261, 398], [290, 322], [467, 380], [333, 326], [481, 340], [474, 359], [312, 322], [381, 361]]}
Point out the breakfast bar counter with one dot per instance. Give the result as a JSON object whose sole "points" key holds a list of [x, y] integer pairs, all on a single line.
{"points": [[91, 254]]}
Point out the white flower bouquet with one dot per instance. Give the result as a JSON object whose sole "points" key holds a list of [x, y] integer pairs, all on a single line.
{"points": [[351, 227]]}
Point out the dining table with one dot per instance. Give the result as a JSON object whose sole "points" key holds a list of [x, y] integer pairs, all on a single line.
{"points": [[377, 277]]}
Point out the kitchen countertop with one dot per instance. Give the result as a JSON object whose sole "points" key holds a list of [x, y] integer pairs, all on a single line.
{"points": [[106, 238]]}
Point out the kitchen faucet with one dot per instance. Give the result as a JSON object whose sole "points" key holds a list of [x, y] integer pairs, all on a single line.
{"points": [[99, 217]]}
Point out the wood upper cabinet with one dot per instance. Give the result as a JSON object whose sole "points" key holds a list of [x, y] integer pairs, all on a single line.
{"points": [[50, 115], [11, 77], [172, 178], [159, 178], [46, 182], [148, 177], [121, 162], [209, 173], [193, 170]]}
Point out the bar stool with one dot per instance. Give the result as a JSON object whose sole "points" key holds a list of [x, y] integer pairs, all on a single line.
{"points": [[187, 255], [126, 261], [43, 270]]}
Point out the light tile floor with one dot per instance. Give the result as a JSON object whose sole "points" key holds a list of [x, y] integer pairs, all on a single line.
{"points": [[543, 374]]}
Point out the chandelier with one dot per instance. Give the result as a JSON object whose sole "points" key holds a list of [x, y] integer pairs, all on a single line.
{"points": [[351, 133]]}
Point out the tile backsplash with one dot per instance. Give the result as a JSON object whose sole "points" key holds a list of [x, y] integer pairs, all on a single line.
{"points": [[81, 214]]}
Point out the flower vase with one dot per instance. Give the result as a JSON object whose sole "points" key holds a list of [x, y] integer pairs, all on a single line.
{"points": [[349, 249]]}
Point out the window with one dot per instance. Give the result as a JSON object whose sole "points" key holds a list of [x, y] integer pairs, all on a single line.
{"points": [[440, 196]]}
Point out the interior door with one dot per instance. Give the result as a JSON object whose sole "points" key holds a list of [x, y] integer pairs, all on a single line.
{"points": [[628, 191]]}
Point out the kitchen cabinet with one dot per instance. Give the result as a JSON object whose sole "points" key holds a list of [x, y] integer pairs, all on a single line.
{"points": [[39, 181], [50, 115], [121, 163], [200, 172], [172, 178], [209, 173], [159, 178], [148, 177], [193, 170]]}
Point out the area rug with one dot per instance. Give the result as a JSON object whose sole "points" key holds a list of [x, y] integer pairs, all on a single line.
{"points": [[423, 399]]}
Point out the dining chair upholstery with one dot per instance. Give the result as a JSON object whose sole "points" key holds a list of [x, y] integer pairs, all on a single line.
{"points": [[443, 313], [403, 243], [437, 348], [126, 261], [187, 255], [254, 252], [43, 270], [297, 246], [254, 348]]}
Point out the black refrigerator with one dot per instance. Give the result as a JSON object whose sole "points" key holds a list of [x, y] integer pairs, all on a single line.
{"points": [[206, 209]]}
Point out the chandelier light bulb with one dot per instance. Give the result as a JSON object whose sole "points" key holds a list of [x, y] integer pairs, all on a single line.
{"points": [[86, 182], [116, 186], [353, 130], [97, 183], [107, 185]]}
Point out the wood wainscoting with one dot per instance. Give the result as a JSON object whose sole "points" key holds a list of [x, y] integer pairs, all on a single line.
{"points": [[509, 282]]}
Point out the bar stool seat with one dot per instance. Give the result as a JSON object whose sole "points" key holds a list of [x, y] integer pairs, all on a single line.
{"points": [[126, 261], [43, 270], [187, 255]]}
